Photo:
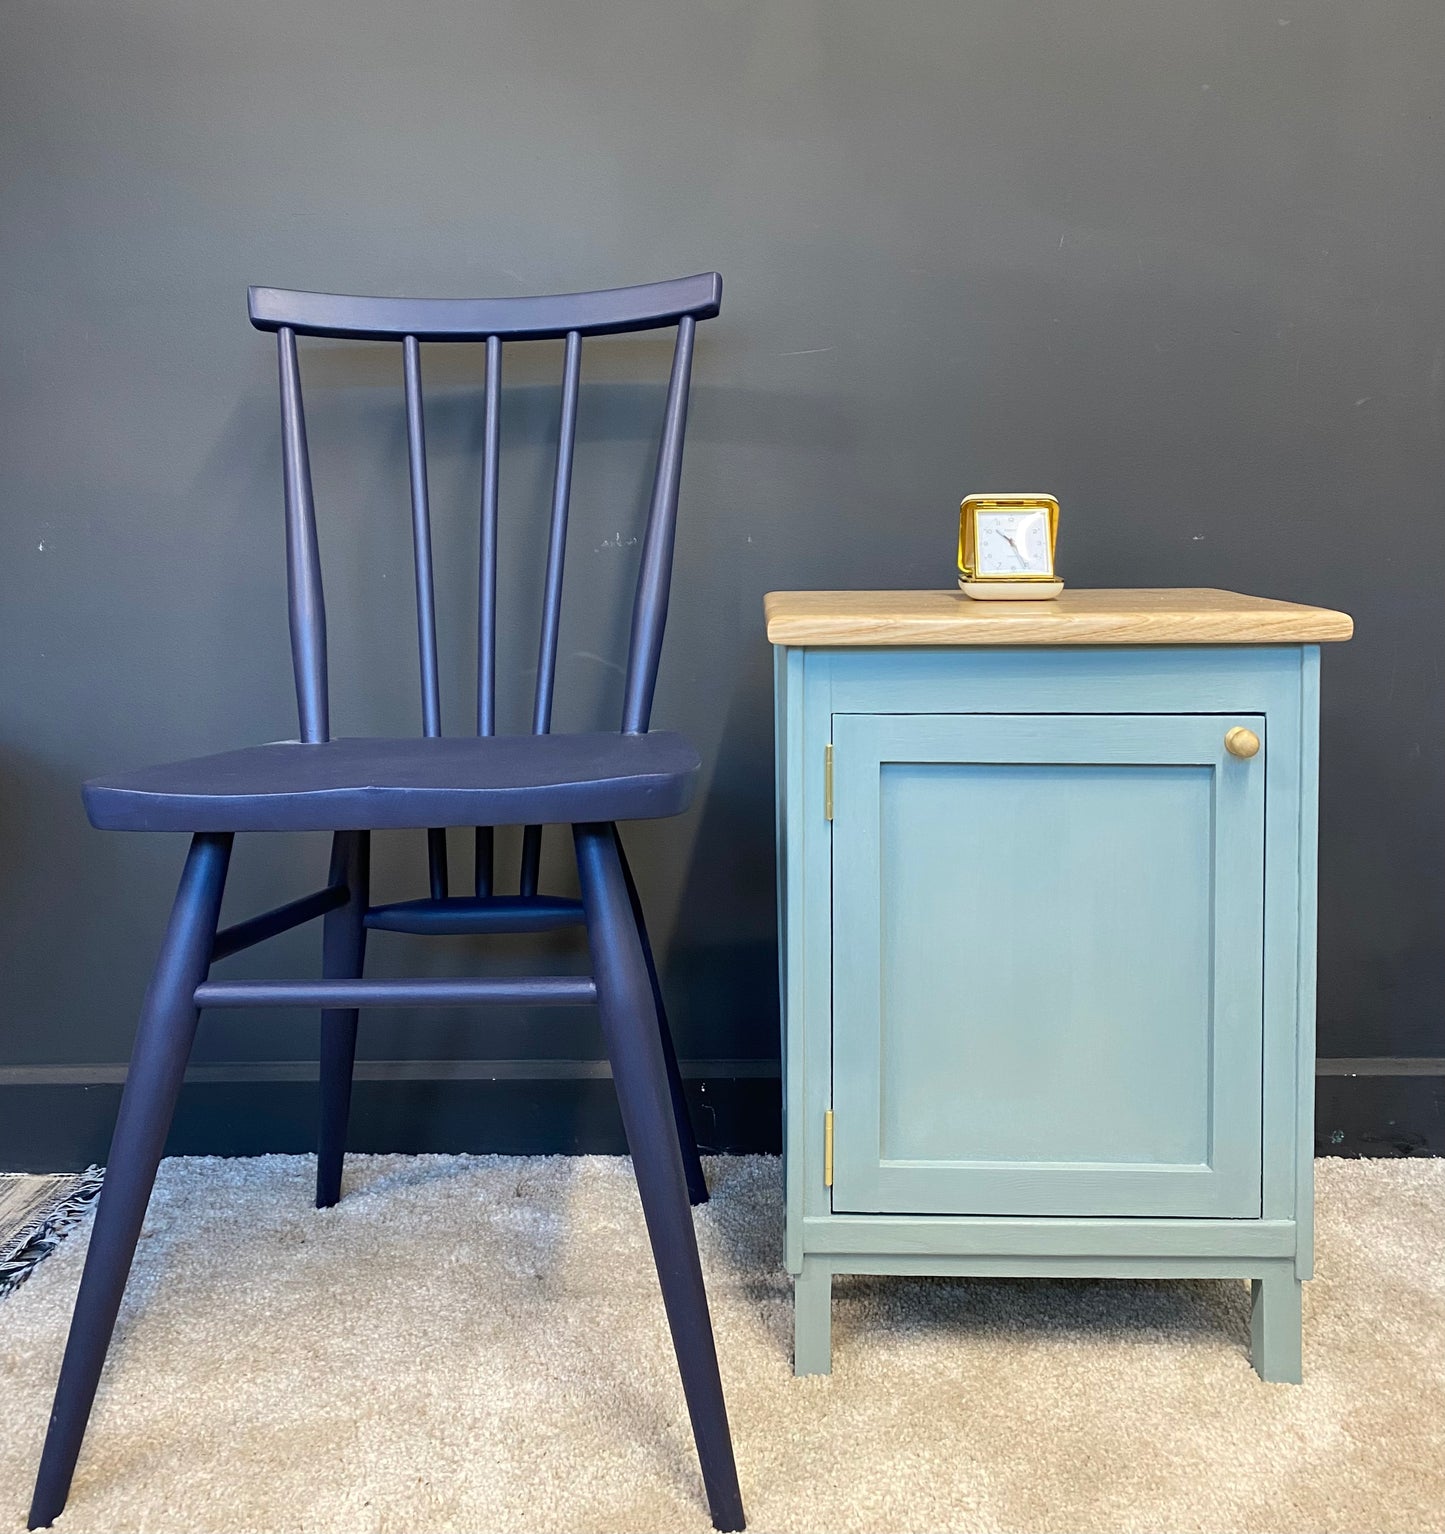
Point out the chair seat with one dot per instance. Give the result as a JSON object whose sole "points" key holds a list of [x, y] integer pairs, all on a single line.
{"points": [[385, 784]]}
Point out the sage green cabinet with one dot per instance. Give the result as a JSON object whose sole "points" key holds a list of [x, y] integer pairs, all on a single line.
{"points": [[1047, 947]]}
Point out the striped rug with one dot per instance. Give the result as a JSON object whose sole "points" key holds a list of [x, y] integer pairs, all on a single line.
{"points": [[36, 1211]]}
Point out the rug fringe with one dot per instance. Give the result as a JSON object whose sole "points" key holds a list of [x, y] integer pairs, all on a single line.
{"points": [[35, 1241]]}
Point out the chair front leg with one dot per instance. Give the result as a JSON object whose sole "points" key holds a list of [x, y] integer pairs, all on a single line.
{"points": [[686, 1139], [158, 1063], [343, 953], [634, 1044]]}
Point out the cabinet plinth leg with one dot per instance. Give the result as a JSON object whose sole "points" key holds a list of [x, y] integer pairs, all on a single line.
{"points": [[813, 1320], [1276, 1328]]}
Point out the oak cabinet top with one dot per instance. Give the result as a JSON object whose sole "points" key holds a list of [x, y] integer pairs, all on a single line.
{"points": [[1144, 616]]}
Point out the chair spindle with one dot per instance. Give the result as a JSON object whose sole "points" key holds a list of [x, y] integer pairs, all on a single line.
{"points": [[649, 609], [487, 600], [426, 613], [426, 623], [306, 607], [552, 590]]}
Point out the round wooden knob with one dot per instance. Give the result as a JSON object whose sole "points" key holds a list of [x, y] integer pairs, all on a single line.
{"points": [[1241, 742]]}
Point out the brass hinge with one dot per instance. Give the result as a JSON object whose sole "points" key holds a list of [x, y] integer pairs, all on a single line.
{"points": [[828, 1148], [828, 781]]}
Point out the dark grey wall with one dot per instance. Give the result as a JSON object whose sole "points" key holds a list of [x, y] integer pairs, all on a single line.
{"points": [[1179, 262]]}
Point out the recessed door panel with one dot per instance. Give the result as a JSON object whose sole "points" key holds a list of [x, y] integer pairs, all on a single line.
{"points": [[1048, 948]]}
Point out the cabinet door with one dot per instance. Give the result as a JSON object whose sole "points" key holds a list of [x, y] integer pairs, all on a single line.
{"points": [[1047, 952]]}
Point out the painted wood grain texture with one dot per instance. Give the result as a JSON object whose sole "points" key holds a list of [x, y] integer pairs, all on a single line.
{"points": [[1144, 616]]}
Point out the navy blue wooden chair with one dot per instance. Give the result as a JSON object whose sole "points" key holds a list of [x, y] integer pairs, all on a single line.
{"points": [[352, 787]]}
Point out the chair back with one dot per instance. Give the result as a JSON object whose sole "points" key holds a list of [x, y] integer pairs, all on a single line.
{"points": [[410, 321], [568, 317]]}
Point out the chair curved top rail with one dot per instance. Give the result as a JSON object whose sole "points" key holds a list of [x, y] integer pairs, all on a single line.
{"points": [[612, 311]]}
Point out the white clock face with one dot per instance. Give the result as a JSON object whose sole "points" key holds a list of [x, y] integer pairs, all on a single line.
{"points": [[1012, 543]]}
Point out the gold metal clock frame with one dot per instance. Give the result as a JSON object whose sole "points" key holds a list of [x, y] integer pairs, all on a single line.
{"points": [[967, 513]]}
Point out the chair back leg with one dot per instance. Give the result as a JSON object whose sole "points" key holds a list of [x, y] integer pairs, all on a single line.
{"points": [[343, 953], [634, 1045], [158, 1063], [686, 1138]]}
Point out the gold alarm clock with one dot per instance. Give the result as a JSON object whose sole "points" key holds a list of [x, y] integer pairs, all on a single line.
{"points": [[1006, 548]]}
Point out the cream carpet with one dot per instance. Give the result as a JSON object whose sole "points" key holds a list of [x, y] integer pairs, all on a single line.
{"points": [[478, 1344]]}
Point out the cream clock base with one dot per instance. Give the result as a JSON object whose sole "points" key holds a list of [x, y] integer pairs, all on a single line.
{"points": [[1010, 591]]}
